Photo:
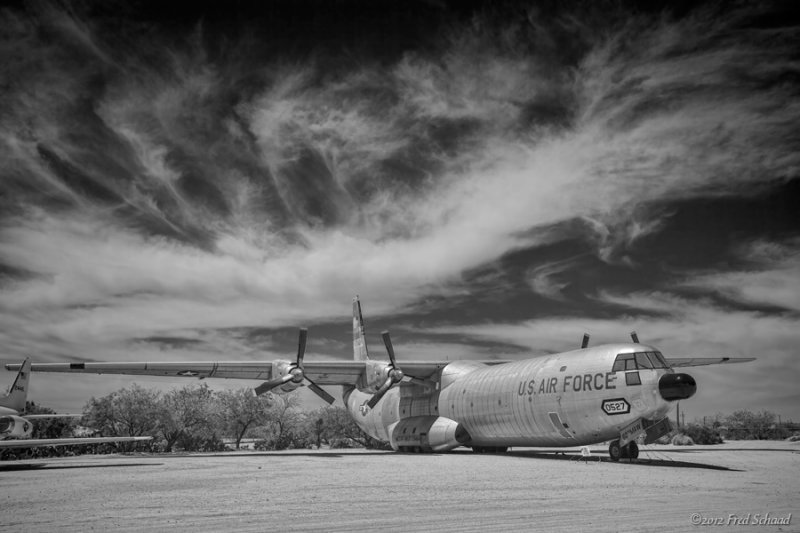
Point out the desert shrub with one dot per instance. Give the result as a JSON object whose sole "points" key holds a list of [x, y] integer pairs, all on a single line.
{"points": [[702, 434], [682, 440], [665, 439]]}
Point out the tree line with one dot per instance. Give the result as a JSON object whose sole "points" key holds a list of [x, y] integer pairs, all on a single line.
{"points": [[197, 418], [739, 425]]}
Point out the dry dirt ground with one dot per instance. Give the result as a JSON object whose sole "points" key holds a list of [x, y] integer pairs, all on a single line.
{"points": [[334, 490]]}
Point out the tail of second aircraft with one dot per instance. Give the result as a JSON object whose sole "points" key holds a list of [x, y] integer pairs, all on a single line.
{"points": [[18, 393], [359, 340]]}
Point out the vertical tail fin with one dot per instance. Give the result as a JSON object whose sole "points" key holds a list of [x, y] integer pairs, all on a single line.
{"points": [[359, 341], [18, 393]]}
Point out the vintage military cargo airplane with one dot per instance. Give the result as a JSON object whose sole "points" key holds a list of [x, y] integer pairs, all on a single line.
{"points": [[612, 392]]}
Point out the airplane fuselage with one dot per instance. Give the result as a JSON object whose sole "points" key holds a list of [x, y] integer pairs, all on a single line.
{"points": [[568, 399]]}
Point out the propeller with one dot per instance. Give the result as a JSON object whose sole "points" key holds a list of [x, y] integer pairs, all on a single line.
{"points": [[395, 375], [585, 341], [635, 337], [296, 374]]}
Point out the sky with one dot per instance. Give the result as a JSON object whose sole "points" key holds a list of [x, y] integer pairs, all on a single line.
{"points": [[493, 180]]}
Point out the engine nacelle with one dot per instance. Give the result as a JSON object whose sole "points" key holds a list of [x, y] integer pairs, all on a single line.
{"points": [[428, 434], [376, 373], [279, 369], [15, 427]]}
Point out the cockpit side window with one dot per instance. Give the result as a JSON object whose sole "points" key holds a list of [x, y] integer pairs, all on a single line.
{"points": [[642, 361], [661, 358]]}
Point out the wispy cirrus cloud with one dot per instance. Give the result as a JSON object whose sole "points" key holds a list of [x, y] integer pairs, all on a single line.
{"points": [[771, 280], [155, 185]]}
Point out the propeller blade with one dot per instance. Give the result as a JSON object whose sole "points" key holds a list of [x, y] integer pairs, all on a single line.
{"points": [[635, 337], [271, 384], [383, 390], [301, 346], [389, 349], [395, 375], [585, 341], [319, 391]]}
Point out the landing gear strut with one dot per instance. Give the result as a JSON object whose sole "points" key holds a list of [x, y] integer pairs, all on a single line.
{"points": [[617, 452]]}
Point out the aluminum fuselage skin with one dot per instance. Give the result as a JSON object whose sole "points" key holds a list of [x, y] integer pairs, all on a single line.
{"points": [[566, 399]]}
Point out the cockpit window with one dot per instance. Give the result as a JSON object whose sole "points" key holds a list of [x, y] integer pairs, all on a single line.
{"points": [[655, 361], [642, 361], [619, 363], [639, 361]]}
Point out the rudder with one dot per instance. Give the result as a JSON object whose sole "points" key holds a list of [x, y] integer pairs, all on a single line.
{"points": [[359, 340]]}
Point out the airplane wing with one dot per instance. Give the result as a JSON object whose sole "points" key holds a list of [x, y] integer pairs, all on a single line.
{"points": [[320, 372], [703, 361], [38, 417], [34, 443]]}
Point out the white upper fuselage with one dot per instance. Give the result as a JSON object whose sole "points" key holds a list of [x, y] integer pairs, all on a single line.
{"points": [[566, 399]]}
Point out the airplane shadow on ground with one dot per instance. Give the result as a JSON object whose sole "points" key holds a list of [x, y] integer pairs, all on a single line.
{"points": [[12, 466], [641, 461]]}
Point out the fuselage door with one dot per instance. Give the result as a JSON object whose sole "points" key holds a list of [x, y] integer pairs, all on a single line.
{"points": [[559, 425]]}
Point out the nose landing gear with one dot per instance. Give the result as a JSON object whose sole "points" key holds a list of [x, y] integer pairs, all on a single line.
{"points": [[617, 452]]}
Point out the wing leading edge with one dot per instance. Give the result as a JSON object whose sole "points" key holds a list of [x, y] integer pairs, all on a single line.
{"points": [[704, 361], [321, 372]]}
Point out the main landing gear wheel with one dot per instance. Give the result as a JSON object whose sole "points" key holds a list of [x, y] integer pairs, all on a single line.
{"points": [[614, 451], [489, 449], [633, 451], [617, 452]]}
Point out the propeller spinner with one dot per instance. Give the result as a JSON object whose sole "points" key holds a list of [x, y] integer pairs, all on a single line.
{"points": [[295, 374]]}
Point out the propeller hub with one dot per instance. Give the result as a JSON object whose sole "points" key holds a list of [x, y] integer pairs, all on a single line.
{"points": [[297, 374]]}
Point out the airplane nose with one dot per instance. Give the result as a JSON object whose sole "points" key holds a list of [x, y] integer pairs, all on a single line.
{"points": [[677, 386]]}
